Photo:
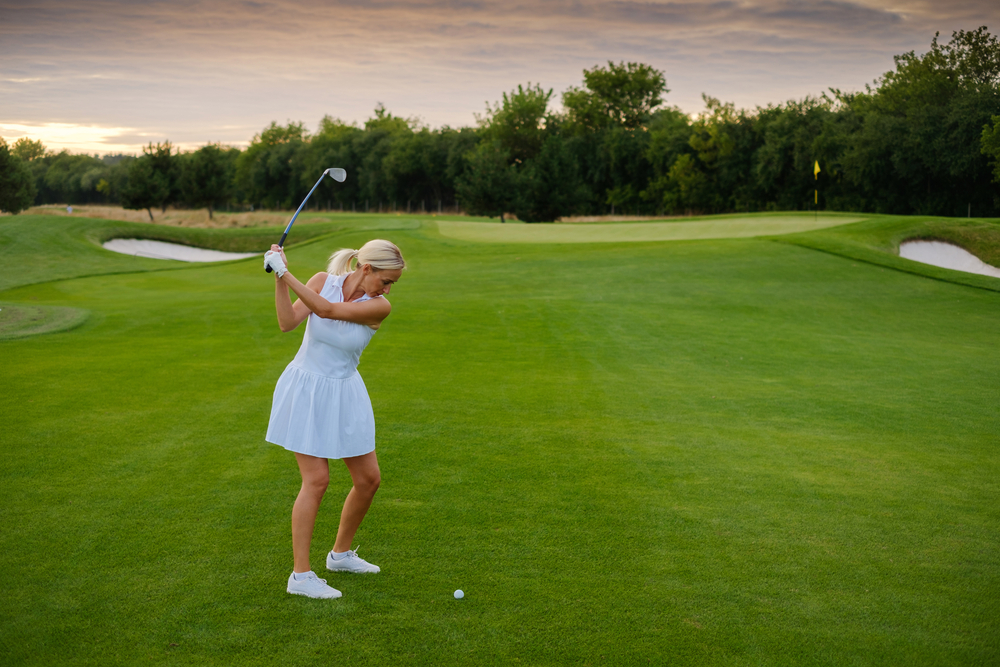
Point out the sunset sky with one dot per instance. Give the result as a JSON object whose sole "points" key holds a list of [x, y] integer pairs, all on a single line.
{"points": [[109, 76]]}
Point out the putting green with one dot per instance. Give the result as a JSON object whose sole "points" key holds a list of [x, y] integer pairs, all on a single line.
{"points": [[716, 228]]}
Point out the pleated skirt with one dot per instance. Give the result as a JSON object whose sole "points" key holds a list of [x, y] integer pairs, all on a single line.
{"points": [[321, 416]]}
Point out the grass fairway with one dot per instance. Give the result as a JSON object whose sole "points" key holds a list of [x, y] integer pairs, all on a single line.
{"points": [[717, 452]]}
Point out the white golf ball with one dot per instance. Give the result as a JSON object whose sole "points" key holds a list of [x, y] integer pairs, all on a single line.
{"points": [[459, 594]]}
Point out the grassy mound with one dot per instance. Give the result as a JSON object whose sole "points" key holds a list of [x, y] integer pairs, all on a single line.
{"points": [[19, 321], [720, 452], [61, 247], [876, 241]]}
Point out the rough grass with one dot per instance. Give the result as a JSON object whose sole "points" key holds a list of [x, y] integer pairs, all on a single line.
{"points": [[731, 452], [172, 217], [199, 217], [182, 217]]}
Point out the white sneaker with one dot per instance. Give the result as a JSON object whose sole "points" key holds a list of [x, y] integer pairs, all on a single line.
{"points": [[311, 586], [349, 561]]}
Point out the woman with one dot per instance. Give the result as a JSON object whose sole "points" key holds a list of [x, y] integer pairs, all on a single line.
{"points": [[321, 409]]}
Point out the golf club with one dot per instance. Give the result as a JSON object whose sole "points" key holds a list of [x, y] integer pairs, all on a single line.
{"points": [[337, 174]]}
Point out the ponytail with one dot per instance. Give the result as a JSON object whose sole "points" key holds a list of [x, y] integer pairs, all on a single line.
{"points": [[340, 262]]}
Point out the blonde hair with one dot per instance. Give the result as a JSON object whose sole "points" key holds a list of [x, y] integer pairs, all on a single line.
{"points": [[381, 254]]}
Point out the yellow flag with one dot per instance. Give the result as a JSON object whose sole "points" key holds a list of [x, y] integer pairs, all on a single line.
{"points": [[816, 170]]}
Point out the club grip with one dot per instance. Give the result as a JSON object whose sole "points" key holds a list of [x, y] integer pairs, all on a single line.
{"points": [[281, 244]]}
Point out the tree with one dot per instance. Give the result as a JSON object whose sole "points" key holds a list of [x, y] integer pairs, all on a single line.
{"points": [[67, 178], [550, 184], [269, 171], [669, 134], [206, 177], [518, 123], [688, 186], [489, 184], [695, 179], [787, 148], [415, 167], [508, 167], [333, 146], [609, 120], [116, 177], [152, 179], [104, 187], [146, 186], [373, 148], [624, 94], [918, 148], [28, 150], [165, 164], [17, 187], [991, 146], [456, 145], [623, 167]]}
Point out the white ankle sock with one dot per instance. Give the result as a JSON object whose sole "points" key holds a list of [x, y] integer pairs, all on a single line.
{"points": [[299, 576]]}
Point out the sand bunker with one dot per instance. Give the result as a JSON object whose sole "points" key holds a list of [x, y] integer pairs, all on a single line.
{"points": [[163, 250], [946, 256]]}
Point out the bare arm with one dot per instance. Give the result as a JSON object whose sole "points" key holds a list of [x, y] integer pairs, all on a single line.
{"points": [[291, 315], [370, 312]]}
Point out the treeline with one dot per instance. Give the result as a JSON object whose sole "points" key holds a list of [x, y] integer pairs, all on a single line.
{"points": [[922, 139]]}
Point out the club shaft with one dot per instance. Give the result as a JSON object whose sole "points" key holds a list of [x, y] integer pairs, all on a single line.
{"points": [[301, 206], [281, 243]]}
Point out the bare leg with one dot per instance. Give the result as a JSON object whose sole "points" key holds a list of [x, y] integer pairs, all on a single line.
{"points": [[366, 477], [315, 478]]}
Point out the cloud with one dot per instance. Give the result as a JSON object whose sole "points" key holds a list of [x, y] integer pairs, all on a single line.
{"points": [[77, 138], [825, 14], [199, 71]]}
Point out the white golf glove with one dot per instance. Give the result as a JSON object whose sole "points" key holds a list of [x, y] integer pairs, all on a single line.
{"points": [[273, 259]]}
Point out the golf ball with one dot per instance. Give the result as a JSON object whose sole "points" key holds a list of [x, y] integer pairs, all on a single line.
{"points": [[459, 594]]}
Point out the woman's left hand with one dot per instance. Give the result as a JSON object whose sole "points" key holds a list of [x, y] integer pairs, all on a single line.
{"points": [[273, 259], [280, 252]]}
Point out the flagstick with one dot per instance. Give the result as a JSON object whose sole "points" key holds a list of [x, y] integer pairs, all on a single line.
{"points": [[816, 171]]}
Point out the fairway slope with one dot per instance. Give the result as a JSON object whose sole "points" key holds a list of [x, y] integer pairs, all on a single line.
{"points": [[877, 239]]}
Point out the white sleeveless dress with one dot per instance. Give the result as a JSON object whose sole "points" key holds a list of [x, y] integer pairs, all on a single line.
{"points": [[321, 406]]}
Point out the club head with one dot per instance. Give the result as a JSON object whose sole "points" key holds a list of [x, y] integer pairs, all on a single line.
{"points": [[337, 174]]}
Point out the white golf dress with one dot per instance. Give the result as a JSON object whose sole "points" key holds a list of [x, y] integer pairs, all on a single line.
{"points": [[321, 406]]}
